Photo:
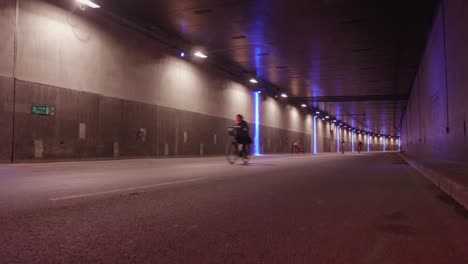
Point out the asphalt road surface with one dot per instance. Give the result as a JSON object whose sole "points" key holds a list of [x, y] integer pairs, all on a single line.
{"points": [[367, 208]]}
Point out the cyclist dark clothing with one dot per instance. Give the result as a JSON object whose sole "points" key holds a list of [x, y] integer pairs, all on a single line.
{"points": [[242, 135]]}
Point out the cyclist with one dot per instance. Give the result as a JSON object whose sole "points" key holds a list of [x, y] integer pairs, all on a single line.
{"points": [[342, 146], [359, 146], [297, 148], [242, 136]]}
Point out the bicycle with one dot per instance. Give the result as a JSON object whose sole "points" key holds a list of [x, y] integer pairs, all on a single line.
{"points": [[298, 149], [237, 151]]}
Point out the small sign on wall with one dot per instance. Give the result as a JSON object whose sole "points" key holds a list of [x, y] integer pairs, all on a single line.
{"points": [[42, 110]]}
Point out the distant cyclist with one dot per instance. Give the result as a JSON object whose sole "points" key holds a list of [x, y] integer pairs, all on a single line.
{"points": [[242, 135], [342, 146], [297, 148], [359, 146]]}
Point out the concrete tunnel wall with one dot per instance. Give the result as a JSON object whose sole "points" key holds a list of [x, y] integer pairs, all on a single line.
{"points": [[434, 126], [107, 81], [328, 137]]}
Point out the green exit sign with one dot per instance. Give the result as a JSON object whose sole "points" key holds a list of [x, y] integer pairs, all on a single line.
{"points": [[42, 110]]}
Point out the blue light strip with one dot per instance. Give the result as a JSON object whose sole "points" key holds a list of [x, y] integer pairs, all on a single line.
{"points": [[315, 134], [399, 144], [257, 124], [384, 144], [368, 143]]}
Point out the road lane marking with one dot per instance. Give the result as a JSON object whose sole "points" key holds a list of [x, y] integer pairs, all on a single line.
{"points": [[122, 190]]}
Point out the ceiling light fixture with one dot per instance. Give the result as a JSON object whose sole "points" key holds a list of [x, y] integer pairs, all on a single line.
{"points": [[284, 95], [200, 54], [88, 3], [253, 80], [304, 105]]}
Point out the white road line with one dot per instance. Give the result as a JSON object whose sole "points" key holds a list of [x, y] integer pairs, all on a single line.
{"points": [[122, 190]]}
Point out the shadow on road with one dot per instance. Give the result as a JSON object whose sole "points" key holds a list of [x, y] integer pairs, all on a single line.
{"points": [[257, 164]]}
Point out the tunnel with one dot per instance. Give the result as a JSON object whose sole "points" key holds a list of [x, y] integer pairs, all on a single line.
{"points": [[233, 131]]}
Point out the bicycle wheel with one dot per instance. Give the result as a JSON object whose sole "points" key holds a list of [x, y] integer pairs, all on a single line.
{"points": [[245, 158], [232, 156], [246, 155]]}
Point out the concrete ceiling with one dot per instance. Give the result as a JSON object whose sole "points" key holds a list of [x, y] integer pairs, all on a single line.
{"points": [[347, 51]]}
